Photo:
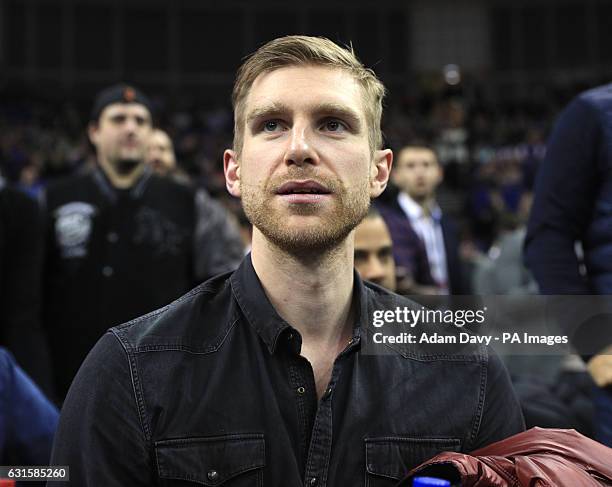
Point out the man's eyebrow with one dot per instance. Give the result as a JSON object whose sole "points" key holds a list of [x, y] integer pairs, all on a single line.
{"points": [[341, 111], [273, 109], [329, 109]]}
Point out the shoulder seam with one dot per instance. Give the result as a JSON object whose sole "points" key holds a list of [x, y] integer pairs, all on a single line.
{"points": [[201, 289], [136, 387]]}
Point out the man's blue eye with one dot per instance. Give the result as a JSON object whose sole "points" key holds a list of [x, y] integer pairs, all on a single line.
{"points": [[271, 126], [333, 125]]}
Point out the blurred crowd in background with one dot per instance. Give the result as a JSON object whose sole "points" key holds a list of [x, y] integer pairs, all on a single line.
{"points": [[490, 151], [486, 118]]}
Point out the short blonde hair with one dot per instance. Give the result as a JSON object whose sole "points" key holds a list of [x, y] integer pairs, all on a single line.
{"points": [[298, 50]]}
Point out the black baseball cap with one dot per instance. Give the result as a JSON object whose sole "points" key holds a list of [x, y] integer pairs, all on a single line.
{"points": [[120, 93]]}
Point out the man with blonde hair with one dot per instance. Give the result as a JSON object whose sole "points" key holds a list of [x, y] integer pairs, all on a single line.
{"points": [[259, 377]]}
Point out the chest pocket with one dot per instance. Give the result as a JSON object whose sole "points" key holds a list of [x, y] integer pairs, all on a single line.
{"points": [[389, 459], [228, 461]]}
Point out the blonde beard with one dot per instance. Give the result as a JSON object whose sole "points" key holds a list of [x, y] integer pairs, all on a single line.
{"points": [[333, 229]]}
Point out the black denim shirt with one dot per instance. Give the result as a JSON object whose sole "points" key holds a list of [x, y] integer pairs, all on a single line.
{"points": [[212, 390]]}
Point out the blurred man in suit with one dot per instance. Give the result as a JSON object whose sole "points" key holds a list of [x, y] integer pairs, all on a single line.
{"points": [[417, 173]]}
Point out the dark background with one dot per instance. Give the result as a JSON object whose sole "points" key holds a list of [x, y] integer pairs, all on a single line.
{"points": [[189, 50], [520, 63]]}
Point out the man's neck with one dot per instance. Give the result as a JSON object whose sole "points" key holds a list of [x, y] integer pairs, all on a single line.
{"points": [[314, 294], [121, 181]]}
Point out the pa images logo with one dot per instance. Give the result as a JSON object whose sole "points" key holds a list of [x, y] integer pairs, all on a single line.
{"points": [[73, 224]]}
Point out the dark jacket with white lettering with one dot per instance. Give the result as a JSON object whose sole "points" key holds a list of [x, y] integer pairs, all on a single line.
{"points": [[113, 255]]}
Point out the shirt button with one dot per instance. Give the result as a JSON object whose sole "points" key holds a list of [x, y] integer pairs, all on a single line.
{"points": [[290, 336], [329, 391], [301, 390], [313, 481], [112, 237], [107, 271], [212, 475]]}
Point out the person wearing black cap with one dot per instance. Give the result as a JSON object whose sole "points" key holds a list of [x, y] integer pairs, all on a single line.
{"points": [[122, 241], [120, 126]]}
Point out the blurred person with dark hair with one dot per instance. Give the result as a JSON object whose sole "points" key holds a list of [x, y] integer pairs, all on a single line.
{"points": [[452, 141], [30, 180], [374, 251], [415, 220], [160, 153], [162, 158], [572, 215], [502, 270], [122, 241], [21, 248]]}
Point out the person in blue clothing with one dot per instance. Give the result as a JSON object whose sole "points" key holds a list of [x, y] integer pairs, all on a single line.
{"points": [[573, 209], [28, 420]]}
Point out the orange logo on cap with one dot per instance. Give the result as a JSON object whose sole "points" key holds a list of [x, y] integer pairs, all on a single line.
{"points": [[129, 94]]}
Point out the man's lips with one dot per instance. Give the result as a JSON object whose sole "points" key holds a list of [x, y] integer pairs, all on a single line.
{"points": [[130, 144], [302, 187], [303, 192]]}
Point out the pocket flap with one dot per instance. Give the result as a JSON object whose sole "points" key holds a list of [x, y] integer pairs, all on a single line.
{"points": [[212, 460], [394, 457]]}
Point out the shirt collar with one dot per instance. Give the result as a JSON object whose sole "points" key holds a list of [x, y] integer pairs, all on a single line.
{"points": [[413, 210], [262, 316]]}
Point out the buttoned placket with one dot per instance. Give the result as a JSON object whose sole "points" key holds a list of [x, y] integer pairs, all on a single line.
{"points": [[319, 453], [302, 383]]}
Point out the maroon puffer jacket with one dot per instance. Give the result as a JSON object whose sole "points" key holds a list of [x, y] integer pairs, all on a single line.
{"points": [[535, 458]]}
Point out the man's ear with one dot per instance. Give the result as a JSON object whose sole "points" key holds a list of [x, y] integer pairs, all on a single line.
{"points": [[379, 171], [92, 133], [231, 169]]}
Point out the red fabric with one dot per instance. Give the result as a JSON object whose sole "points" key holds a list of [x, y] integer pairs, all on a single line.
{"points": [[535, 458]]}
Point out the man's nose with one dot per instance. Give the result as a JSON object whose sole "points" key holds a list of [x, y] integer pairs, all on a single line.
{"points": [[374, 270], [301, 149], [130, 125]]}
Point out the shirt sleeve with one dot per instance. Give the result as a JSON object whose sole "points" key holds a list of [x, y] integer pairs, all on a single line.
{"points": [[31, 419], [563, 200], [502, 415], [100, 436], [217, 244]]}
